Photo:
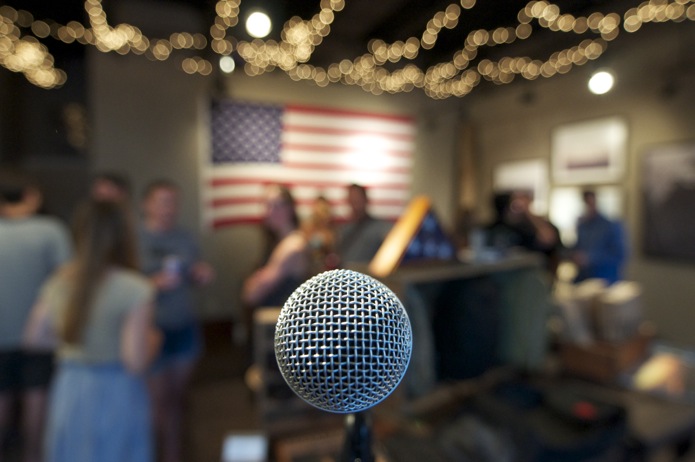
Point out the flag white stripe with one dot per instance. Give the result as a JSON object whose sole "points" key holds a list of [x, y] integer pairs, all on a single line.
{"points": [[356, 141], [347, 122], [349, 160]]}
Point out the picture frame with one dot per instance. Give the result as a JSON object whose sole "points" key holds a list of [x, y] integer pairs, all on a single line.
{"points": [[529, 175], [589, 152], [668, 199]]}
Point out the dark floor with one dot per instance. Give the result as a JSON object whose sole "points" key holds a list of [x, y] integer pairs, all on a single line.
{"points": [[220, 404]]}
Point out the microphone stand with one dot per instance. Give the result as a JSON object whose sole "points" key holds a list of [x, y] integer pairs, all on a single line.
{"points": [[358, 439]]}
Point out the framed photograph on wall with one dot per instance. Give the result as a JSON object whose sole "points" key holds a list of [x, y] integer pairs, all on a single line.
{"points": [[589, 152], [524, 175], [668, 188]]}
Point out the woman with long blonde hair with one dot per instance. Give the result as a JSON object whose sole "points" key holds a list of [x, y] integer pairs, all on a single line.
{"points": [[97, 310]]}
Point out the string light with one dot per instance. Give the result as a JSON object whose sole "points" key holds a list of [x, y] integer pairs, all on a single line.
{"points": [[258, 24], [21, 51]]}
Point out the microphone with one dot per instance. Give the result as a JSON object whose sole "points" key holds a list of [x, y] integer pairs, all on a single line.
{"points": [[343, 343]]}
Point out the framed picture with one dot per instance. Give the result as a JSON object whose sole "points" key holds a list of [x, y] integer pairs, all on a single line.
{"points": [[593, 151], [524, 175], [668, 188]]}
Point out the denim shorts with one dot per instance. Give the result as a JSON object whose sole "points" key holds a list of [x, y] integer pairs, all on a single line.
{"points": [[182, 344]]}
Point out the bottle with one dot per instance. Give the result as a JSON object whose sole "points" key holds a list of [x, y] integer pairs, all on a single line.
{"points": [[172, 265]]}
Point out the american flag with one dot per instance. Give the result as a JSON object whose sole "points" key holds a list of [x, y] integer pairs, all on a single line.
{"points": [[312, 150]]}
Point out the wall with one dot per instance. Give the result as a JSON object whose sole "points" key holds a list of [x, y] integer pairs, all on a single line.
{"points": [[35, 134], [151, 120], [654, 93]]}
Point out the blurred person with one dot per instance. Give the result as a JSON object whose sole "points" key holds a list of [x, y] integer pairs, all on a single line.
{"points": [[499, 234], [98, 310], [31, 248], [515, 225], [110, 186], [546, 236], [361, 236], [601, 247], [170, 256], [320, 232], [288, 262]]}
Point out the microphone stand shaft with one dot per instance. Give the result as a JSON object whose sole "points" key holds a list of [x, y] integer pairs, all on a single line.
{"points": [[358, 439]]}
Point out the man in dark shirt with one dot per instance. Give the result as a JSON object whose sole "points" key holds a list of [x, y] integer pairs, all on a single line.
{"points": [[515, 226]]}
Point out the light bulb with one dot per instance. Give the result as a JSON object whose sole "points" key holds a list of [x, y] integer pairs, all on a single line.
{"points": [[601, 82], [227, 64], [258, 24]]}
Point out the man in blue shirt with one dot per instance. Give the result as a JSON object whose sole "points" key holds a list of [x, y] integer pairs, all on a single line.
{"points": [[601, 249]]}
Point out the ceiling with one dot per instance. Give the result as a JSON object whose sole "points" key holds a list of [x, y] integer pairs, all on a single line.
{"points": [[395, 20], [360, 22]]}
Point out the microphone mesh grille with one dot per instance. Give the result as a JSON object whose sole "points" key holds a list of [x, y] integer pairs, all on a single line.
{"points": [[343, 341]]}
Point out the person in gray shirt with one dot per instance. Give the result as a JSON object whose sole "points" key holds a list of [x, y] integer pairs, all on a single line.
{"points": [[170, 258], [359, 239], [31, 248]]}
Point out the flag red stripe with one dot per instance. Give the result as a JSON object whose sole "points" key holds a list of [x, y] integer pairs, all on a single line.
{"points": [[223, 222], [315, 184], [253, 220], [328, 166], [372, 202], [227, 201], [238, 181]]}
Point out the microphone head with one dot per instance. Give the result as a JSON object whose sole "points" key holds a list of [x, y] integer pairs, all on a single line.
{"points": [[343, 341]]}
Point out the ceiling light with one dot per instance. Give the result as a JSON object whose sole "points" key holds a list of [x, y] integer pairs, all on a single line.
{"points": [[227, 64], [601, 82], [258, 24]]}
